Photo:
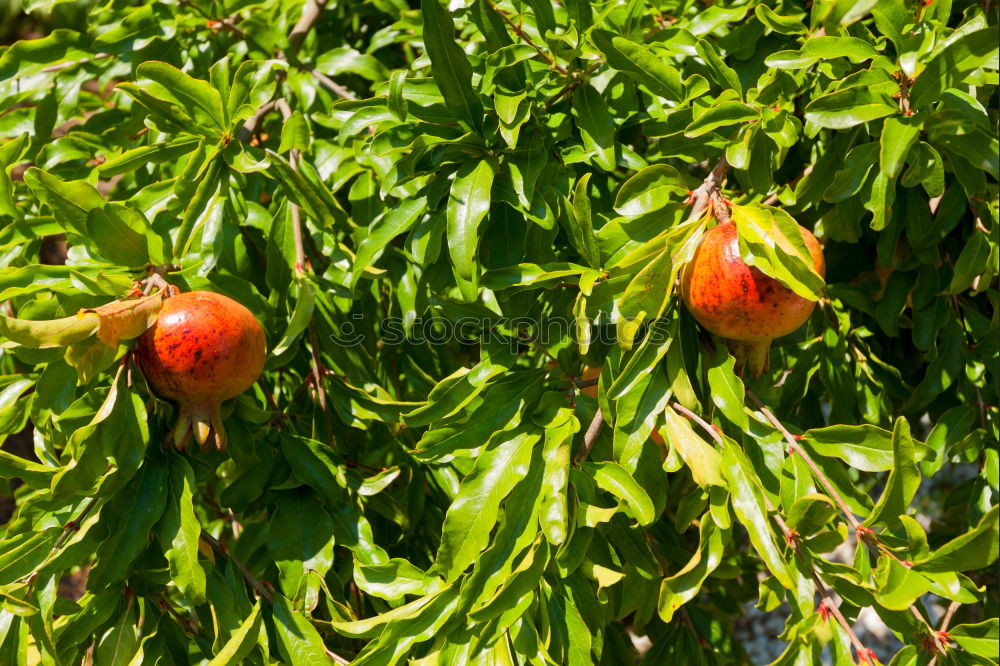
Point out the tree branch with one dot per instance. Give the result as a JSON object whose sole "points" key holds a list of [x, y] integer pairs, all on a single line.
{"points": [[794, 446], [246, 132], [333, 86], [791, 538], [310, 14], [523, 36], [262, 591], [713, 183], [588, 439]]}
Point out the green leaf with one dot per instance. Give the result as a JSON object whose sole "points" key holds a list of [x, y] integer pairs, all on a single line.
{"points": [[121, 234], [864, 447], [399, 636], [771, 241], [748, 502], [205, 207], [50, 333], [903, 481], [976, 549], [315, 464], [525, 276], [596, 126], [179, 532], [822, 48], [10, 152], [294, 133], [34, 475], [645, 360], [849, 180], [616, 480], [980, 639], [500, 410], [157, 153], [468, 203], [649, 190], [896, 586], [683, 586], [395, 579], [298, 641], [302, 314], [554, 509], [704, 461], [130, 516], [785, 25], [473, 512], [899, 133], [30, 56], [241, 642], [578, 222], [648, 292], [639, 62], [723, 75], [449, 65], [950, 67], [727, 389], [198, 97], [305, 193], [810, 513], [719, 115], [23, 553], [521, 583], [300, 542], [344, 59], [70, 201], [971, 263], [849, 107]]}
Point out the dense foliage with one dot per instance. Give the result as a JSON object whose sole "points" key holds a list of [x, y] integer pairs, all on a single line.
{"points": [[441, 215]]}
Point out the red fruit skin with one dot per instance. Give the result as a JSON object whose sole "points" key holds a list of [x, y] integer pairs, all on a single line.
{"points": [[204, 348], [737, 301]]}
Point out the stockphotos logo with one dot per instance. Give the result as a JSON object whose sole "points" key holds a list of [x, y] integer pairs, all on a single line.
{"points": [[438, 330]]}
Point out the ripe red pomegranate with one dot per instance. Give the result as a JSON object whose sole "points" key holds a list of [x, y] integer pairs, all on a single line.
{"points": [[738, 302], [204, 348]]}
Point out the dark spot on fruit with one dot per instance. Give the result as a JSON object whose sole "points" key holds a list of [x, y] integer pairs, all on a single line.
{"points": [[197, 355]]}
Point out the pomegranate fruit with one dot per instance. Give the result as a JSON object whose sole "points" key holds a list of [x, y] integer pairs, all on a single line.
{"points": [[738, 302], [204, 348]]}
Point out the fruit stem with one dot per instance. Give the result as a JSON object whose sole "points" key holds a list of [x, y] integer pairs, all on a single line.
{"points": [[754, 356], [701, 196]]}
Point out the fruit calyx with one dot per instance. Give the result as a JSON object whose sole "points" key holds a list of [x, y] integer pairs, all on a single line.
{"points": [[203, 349], [740, 303]]}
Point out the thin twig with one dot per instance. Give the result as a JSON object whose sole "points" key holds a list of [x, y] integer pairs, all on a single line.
{"points": [[773, 199], [795, 447], [310, 14], [948, 615], [334, 87], [863, 533], [246, 132], [588, 439], [577, 79], [74, 525], [705, 425], [519, 31], [336, 657], [262, 591], [790, 537], [81, 61]]}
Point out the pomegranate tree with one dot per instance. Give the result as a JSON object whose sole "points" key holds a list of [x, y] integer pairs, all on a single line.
{"points": [[203, 349], [738, 302]]}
